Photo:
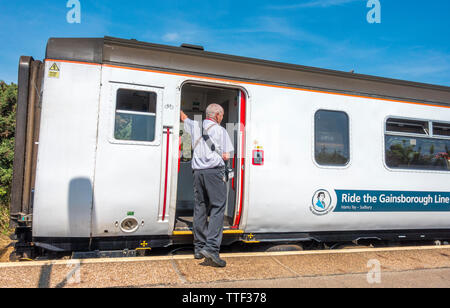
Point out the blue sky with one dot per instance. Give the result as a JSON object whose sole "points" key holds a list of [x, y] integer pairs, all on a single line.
{"points": [[412, 42]]}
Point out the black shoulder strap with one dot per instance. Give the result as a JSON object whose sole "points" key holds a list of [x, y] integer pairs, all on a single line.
{"points": [[205, 137], [208, 140]]}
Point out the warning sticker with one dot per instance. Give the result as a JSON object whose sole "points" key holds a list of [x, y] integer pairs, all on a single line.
{"points": [[54, 71]]}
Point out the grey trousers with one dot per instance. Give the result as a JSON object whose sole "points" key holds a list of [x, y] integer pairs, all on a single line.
{"points": [[210, 197]]}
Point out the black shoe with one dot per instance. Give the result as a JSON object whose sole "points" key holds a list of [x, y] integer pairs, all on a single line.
{"points": [[198, 256], [216, 260]]}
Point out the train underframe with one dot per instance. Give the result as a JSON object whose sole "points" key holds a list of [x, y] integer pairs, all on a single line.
{"points": [[28, 247]]}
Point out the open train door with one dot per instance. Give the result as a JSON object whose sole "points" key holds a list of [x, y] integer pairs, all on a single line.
{"points": [[195, 97]]}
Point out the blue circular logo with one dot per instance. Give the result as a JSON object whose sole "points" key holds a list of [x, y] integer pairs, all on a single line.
{"points": [[321, 202]]}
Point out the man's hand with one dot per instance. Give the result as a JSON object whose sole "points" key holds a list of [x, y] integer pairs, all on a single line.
{"points": [[183, 116], [226, 156]]}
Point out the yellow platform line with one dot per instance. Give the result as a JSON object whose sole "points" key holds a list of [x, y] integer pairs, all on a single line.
{"points": [[224, 232]]}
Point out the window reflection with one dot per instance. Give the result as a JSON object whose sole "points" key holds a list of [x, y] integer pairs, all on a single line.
{"points": [[331, 138], [417, 153], [135, 115], [135, 127]]}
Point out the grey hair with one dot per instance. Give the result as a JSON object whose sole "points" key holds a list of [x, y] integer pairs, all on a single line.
{"points": [[214, 109]]}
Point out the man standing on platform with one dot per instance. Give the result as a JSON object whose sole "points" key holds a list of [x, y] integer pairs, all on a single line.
{"points": [[212, 146]]}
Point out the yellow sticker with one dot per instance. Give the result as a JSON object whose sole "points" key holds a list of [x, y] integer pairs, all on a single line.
{"points": [[54, 67], [54, 71]]}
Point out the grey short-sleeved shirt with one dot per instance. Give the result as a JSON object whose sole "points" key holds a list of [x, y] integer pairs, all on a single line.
{"points": [[203, 157]]}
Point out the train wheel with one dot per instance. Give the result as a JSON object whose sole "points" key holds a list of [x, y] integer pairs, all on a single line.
{"points": [[284, 247]]}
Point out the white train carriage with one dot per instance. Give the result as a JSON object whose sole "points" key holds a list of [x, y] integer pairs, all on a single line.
{"points": [[102, 163]]}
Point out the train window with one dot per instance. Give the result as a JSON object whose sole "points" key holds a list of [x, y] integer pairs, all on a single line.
{"points": [[417, 153], [135, 115], [441, 129], [332, 146], [407, 126]]}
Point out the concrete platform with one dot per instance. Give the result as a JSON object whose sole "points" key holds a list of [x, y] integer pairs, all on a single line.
{"points": [[400, 267], [426, 278]]}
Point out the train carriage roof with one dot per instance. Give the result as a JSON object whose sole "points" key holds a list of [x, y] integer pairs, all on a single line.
{"points": [[193, 60]]}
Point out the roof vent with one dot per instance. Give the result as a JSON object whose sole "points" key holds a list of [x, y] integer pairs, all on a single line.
{"points": [[196, 47]]}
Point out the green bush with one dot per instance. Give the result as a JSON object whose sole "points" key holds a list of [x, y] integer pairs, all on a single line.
{"points": [[4, 220], [8, 103]]}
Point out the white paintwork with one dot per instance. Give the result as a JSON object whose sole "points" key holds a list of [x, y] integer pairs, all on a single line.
{"points": [[67, 142], [277, 196], [285, 186], [127, 173]]}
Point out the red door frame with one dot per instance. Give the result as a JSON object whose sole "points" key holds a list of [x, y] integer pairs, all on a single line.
{"points": [[241, 159]]}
